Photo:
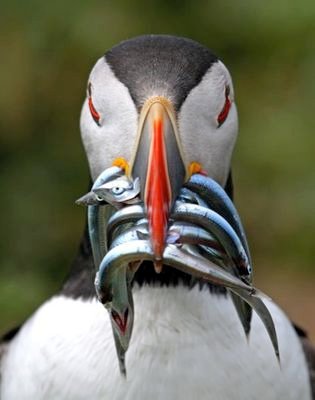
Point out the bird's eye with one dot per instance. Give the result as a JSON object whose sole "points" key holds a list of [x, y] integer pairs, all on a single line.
{"points": [[117, 190], [226, 108], [94, 113]]}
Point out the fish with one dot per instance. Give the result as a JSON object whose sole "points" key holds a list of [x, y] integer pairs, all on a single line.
{"points": [[217, 200], [205, 239], [98, 217], [221, 229], [227, 237], [191, 234], [126, 215], [91, 198], [121, 313], [119, 191], [188, 196]]}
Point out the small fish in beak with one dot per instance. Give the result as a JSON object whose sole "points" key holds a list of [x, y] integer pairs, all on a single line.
{"points": [[217, 200], [221, 229], [119, 191], [89, 199], [203, 237]]}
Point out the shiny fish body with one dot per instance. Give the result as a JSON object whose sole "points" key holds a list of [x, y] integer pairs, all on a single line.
{"points": [[197, 267], [119, 191], [191, 263], [123, 216], [107, 175], [221, 229], [117, 258], [98, 216], [218, 226], [243, 309], [121, 301], [141, 250], [205, 239], [188, 196], [135, 232], [89, 199], [191, 234], [262, 311], [217, 200]]}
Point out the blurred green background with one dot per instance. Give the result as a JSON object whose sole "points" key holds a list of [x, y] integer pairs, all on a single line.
{"points": [[47, 51]]}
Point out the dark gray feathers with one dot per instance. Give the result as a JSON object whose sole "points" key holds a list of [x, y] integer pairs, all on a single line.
{"points": [[160, 65]]}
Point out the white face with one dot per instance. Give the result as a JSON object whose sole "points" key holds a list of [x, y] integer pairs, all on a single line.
{"points": [[115, 135], [203, 139]]}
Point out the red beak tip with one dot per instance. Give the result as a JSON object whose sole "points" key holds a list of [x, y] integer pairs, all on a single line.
{"points": [[158, 266]]}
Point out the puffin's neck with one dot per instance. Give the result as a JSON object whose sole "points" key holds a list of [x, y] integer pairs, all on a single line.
{"points": [[80, 282]]}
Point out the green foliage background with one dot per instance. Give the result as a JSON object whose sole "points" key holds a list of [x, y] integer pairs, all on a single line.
{"points": [[47, 51]]}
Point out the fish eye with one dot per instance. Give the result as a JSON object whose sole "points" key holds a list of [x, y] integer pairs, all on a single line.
{"points": [[117, 190]]}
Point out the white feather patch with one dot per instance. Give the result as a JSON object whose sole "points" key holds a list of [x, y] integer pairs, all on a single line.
{"points": [[202, 140], [118, 123], [186, 344]]}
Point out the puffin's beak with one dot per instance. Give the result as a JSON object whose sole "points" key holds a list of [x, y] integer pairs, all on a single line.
{"points": [[159, 164]]}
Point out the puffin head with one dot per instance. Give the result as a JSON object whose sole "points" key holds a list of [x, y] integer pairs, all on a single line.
{"points": [[160, 112], [163, 108]]}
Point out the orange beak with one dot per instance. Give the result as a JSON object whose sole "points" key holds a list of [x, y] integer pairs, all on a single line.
{"points": [[158, 162]]}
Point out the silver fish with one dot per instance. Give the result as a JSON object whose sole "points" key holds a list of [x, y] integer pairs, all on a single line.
{"points": [[221, 229], [199, 267], [107, 175], [208, 244], [91, 198], [124, 216], [119, 191], [217, 225], [137, 250], [244, 311], [262, 311], [191, 234], [117, 258], [121, 312], [98, 216], [188, 196], [114, 292], [134, 232], [217, 199], [184, 259]]}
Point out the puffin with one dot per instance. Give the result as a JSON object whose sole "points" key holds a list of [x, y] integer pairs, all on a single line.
{"points": [[187, 340]]}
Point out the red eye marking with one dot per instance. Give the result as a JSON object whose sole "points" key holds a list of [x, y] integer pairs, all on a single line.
{"points": [[226, 108], [93, 111]]}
